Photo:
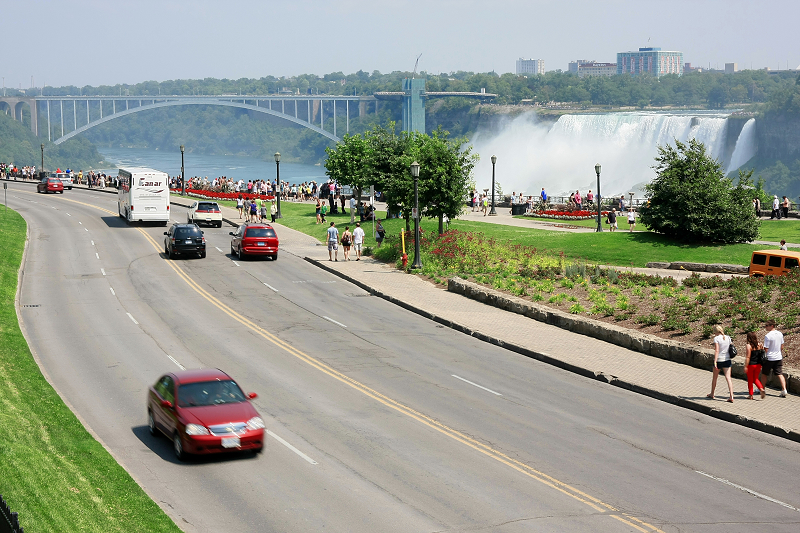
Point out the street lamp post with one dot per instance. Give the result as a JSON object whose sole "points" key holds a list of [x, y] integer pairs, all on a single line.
{"points": [[42, 169], [493, 212], [597, 170], [183, 175], [278, 182], [417, 259]]}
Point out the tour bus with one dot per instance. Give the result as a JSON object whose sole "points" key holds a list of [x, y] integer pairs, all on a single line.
{"points": [[143, 195]]}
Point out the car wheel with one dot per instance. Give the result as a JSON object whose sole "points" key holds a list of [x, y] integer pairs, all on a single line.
{"points": [[258, 451], [219, 224], [233, 251], [203, 254], [119, 210], [151, 424], [170, 254], [177, 447], [274, 257], [62, 192], [241, 254]]}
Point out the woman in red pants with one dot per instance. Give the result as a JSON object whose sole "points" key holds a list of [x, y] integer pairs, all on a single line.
{"points": [[752, 364]]}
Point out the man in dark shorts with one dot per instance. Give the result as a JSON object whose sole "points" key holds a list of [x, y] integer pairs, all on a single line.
{"points": [[773, 356]]}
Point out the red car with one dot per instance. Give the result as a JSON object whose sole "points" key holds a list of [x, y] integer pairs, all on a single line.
{"points": [[204, 411], [50, 185], [254, 239]]}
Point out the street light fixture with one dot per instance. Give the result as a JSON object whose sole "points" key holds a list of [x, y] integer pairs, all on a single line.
{"points": [[417, 259], [278, 182], [183, 175], [597, 170], [493, 212]]}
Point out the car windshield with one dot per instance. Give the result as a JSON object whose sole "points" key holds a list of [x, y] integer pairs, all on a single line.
{"points": [[202, 206], [186, 233], [209, 393], [260, 232]]}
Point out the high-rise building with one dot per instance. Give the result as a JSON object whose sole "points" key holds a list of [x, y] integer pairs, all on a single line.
{"points": [[653, 61], [574, 65], [597, 69], [530, 66]]}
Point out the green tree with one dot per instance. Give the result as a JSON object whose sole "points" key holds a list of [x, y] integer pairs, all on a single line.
{"points": [[348, 163], [691, 199]]}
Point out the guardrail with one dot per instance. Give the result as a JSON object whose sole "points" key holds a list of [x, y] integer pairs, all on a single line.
{"points": [[9, 522]]}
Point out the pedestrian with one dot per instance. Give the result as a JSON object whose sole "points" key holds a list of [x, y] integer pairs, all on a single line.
{"points": [[317, 210], [485, 204], [773, 356], [273, 211], [752, 364], [352, 209], [380, 233], [612, 219], [783, 245], [358, 240], [722, 361], [785, 207], [263, 211], [578, 200], [333, 242], [253, 211], [590, 198], [621, 204], [323, 210], [347, 240], [544, 198], [776, 212], [757, 207], [631, 219]]}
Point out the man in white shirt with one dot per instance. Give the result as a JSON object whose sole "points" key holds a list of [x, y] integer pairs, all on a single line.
{"points": [[773, 356], [353, 210], [358, 240]]}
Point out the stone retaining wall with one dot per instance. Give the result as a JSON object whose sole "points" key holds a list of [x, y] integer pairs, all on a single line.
{"points": [[678, 352], [719, 268]]}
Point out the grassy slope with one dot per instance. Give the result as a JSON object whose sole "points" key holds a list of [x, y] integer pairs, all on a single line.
{"points": [[52, 472]]}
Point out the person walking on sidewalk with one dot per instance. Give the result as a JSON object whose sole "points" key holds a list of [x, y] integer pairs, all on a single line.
{"points": [[240, 205], [773, 358], [347, 240], [358, 240], [722, 361], [612, 219], [752, 364], [273, 211], [333, 242]]}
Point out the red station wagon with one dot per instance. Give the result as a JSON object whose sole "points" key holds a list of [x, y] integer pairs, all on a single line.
{"points": [[50, 185], [204, 411], [254, 239]]}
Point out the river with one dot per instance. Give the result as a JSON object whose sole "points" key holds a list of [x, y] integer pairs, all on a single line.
{"points": [[213, 166]]}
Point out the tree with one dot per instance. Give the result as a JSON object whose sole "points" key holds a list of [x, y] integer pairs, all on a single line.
{"points": [[348, 163], [691, 199]]}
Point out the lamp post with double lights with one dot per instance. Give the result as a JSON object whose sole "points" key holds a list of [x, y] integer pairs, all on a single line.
{"points": [[597, 170], [415, 174], [493, 212], [183, 175], [278, 182]]}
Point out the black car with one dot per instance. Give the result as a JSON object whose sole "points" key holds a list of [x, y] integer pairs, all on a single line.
{"points": [[184, 239]]}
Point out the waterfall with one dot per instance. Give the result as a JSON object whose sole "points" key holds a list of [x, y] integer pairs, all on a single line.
{"points": [[561, 158], [745, 148]]}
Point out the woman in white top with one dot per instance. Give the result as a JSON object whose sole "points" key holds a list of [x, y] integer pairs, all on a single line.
{"points": [[722, 360]]}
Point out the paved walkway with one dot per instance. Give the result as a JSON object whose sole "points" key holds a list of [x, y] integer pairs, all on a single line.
{"points": [[672, 382]]}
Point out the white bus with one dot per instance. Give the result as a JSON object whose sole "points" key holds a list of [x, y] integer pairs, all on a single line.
{"points": [[143, 195]]}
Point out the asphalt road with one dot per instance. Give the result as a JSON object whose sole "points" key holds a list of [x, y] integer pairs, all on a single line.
{"points": [[403, 425]]}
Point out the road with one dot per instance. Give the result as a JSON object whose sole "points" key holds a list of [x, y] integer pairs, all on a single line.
{"points": [[395, 423]]}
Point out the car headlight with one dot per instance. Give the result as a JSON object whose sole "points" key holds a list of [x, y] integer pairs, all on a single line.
{"points": [[255, 423], [195, 429]]}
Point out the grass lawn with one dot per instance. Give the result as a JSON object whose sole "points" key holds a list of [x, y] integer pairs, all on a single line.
{"points": [[52, 472], [775, 230]]}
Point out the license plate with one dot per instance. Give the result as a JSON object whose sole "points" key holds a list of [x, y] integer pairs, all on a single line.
{"points": [[231, 442], [208, 219], [189, 241], [261, 244]]}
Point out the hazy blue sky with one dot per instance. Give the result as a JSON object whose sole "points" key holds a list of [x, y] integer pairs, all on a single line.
{"points": [[92, 42]]}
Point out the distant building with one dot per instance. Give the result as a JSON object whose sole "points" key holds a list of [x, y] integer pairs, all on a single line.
{"points": [[730, 68], [652, 61], [574, 65], [530, 66], [597, 69]]}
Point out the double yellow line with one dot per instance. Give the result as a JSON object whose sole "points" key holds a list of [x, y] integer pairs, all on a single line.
{"points": [[497, 455]]}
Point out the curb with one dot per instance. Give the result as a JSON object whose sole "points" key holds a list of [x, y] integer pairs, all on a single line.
{"points": [[575, 369]]}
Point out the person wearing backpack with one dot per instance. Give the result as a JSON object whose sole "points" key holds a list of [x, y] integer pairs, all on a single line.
{"points": [[722, 361]]}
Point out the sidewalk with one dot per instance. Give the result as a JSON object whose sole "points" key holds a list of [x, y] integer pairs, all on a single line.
{"points": [[678, 384]]}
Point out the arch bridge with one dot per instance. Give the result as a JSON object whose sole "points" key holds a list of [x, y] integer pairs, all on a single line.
{"points": [[90, 111]]}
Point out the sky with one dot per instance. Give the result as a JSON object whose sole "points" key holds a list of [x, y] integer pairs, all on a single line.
{"points": [[94, 42]]}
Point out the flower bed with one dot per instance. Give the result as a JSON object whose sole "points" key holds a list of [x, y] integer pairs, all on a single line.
{"points": [[566, 215], [216, 195]]}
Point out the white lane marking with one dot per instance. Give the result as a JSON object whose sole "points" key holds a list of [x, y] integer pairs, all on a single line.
{"points": [[97, 255], [51, 207], [295, 450], [271, 287], [219, 249], [131, 317], [329, 319], [475, 384], [92, 243], [749, 491], [112, 291], [103, 271], [235, 263], [177, 363], [69, 215]]}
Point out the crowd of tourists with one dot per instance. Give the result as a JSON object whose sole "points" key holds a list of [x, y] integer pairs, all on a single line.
{"points": [[9, 170]]}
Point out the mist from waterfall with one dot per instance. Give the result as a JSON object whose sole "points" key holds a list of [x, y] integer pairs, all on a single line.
{"points": [[561, 157], [745, 148]]}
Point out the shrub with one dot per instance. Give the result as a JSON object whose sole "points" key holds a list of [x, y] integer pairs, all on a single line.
{"points": [[576, 309], [648, 320]]}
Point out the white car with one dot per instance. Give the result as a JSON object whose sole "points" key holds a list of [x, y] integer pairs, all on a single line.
{"points": [[205, 213], [66, 179]]}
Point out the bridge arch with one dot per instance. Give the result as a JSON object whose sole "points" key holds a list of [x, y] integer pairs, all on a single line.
{"points": [[171, 103]]}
